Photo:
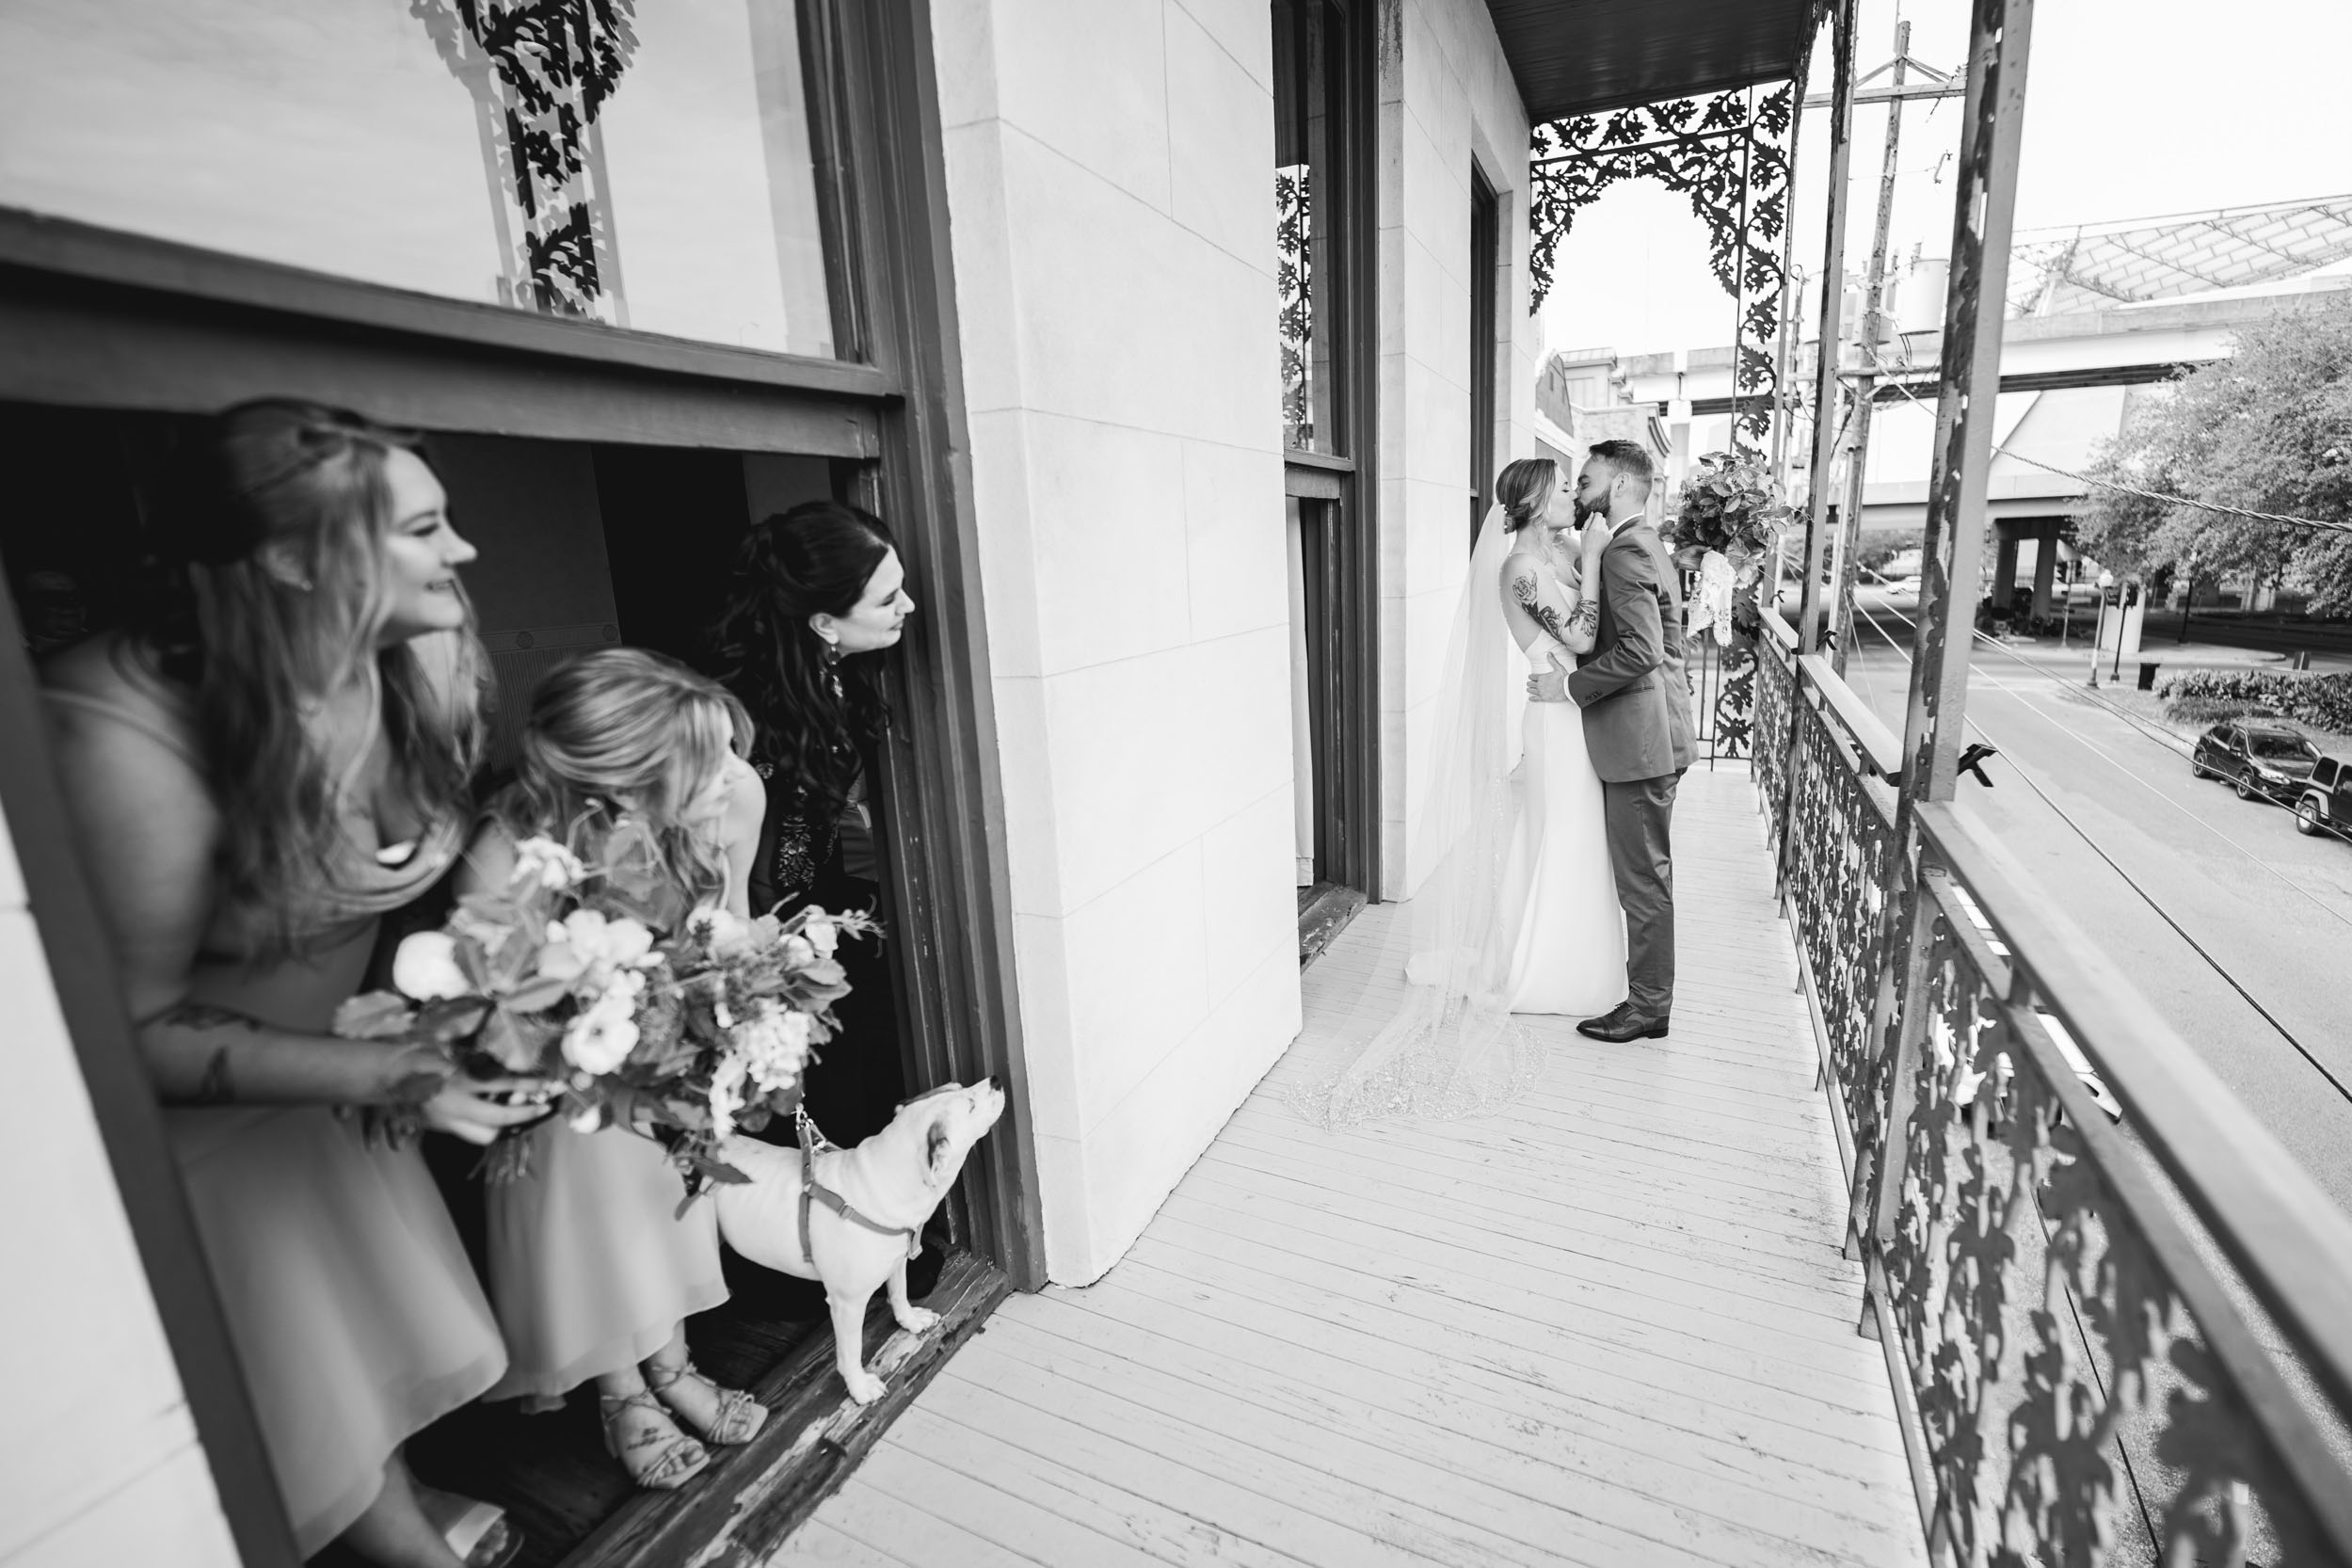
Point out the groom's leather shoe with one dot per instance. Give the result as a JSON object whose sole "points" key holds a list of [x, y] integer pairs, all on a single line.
{"points": [[1621, 1023]]}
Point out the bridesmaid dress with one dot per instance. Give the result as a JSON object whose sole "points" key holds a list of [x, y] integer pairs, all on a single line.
{"points": [[357, 1318], [592, 1268]]}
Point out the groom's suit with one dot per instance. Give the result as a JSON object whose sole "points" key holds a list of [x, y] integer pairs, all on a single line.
{"points": [[1638, 728]]}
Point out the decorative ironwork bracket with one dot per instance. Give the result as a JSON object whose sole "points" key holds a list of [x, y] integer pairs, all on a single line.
{"points": [[1730, 154]]}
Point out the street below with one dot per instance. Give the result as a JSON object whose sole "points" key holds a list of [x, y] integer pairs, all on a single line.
{"points": [[2237, 926]]}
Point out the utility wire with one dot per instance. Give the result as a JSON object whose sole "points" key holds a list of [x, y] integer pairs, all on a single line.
{"points": [[2247, 513], [2285, 1034]]}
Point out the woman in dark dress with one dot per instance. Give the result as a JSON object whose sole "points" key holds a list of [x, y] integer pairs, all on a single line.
{"points": [[819, 593]]}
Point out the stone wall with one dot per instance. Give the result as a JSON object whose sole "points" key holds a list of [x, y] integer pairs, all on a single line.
{"points": [[1110, 171]]}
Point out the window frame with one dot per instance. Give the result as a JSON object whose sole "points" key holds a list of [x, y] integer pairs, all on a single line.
{"points": [[96, 318]]}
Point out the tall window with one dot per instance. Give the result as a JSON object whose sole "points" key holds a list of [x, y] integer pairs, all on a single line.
{"points": [[1325, 76], [1311, 217], [643, 166]]}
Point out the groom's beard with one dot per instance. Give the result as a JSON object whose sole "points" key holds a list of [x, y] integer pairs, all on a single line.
{"points": [[1586, 514]]}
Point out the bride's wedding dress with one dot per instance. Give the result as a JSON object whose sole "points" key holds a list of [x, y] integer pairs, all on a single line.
{"points": [[1565, 931], [1513, 907]]}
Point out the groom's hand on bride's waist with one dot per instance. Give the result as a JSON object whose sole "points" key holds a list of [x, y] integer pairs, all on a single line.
{"points": [[1551, 685]]}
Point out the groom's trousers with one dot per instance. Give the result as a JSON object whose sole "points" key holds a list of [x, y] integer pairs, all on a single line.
{"points": [[1639, 815]]}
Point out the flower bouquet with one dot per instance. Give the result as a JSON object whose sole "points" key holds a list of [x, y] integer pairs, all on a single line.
{"points": [[564, 975], [1726, 527]]}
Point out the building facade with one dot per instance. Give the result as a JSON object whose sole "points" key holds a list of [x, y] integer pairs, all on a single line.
{"points": [[1178, 339]]}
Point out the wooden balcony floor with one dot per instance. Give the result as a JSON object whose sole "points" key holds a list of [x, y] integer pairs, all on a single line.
{"points": [[1605, 1325]]}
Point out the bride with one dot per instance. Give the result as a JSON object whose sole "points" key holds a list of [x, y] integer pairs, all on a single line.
{"points": [[1517, 912]]}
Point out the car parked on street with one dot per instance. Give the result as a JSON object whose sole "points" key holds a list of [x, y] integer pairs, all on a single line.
{"points": [[2262, 759], [2325, 805]]}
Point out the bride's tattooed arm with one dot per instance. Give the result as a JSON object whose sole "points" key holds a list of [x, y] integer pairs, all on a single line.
{"points": [[1573, 631]]}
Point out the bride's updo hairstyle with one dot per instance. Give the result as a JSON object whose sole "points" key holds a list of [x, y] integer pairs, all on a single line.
{"points": [[1524, 488], [270, 528], [813, 712]]}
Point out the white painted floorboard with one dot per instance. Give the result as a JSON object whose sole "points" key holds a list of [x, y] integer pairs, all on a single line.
{"points": [[1605, 1325]]}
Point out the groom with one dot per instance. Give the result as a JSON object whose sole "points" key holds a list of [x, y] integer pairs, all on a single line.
{"points": [[1637, 725]]}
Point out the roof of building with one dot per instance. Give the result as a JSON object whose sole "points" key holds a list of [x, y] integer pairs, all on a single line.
{"points": [[2084, 266], [1580, 56]]}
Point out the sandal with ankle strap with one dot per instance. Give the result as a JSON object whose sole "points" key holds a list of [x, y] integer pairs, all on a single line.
{"points": [[677, 1457], [740, 1416]]}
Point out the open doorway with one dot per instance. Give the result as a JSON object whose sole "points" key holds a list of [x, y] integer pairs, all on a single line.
{"points": [[583, 545]]}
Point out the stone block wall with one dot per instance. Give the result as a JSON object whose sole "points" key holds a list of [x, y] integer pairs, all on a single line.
{"points": [[1110, 169]]}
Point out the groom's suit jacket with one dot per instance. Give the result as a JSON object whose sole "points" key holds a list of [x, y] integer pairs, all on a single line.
{"points": [[1631, 686]]}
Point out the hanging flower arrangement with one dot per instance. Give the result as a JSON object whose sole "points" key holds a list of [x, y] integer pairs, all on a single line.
{"points": [[1726, 527]]}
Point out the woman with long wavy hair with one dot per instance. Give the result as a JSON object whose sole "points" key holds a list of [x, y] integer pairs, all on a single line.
{"points": [[259, 771], [819, 593], [635, 763]]}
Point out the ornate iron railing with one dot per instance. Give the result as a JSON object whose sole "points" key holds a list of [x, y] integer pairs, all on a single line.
{"points": [[2109, 1342]]}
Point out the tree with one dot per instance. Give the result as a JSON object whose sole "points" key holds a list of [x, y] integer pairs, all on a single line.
{"points": [[2270, 429]]}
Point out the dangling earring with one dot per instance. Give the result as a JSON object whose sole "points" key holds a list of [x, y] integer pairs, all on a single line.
{"points": [[832, 649]]}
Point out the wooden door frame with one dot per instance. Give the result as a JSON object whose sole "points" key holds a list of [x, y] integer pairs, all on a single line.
{"points": [[105, 320], [1485, 351]]}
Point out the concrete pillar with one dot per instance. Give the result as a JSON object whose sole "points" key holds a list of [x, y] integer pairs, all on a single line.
{"points": [[2004, 568], [2045, 565]]}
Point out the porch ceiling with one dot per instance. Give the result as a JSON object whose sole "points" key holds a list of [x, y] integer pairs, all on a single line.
{"points": [[1577, 56]]}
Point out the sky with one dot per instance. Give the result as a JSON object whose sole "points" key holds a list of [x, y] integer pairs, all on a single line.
{"points": [[2134, 109]]}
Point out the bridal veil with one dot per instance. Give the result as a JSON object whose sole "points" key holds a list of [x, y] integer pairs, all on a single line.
{"points": [[1450, 1047]]}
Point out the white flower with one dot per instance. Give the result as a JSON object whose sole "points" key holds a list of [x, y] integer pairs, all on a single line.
{"points": [[587, 943], [589, 1120], [824, 935], [727, 1092], [426, 967], [719, 928], [799, 952], [623, 943], [601, 1038], [546, 863], [597, 1041], [773, 1044]]}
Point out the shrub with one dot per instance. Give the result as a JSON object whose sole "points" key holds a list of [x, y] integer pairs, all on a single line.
{"points": [[2322, 701], [2210, 709]]}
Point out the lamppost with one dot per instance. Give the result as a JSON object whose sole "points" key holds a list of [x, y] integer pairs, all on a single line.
{"points": [[2106, 588]]}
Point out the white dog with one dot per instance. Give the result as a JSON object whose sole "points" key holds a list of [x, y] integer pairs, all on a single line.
{"points": [[863, 1219]]}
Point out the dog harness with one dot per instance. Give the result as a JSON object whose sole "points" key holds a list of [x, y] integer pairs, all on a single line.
{"points": [[811, 1194]]}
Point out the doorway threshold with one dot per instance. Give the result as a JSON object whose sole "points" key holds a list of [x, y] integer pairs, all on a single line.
{"points": [[752, 1497], [1324, 911]]}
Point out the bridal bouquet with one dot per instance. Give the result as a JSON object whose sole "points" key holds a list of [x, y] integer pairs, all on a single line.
{"points": [[561, 976]]}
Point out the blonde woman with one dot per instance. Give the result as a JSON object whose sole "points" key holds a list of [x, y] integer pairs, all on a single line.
{"points": [[593, 1270], [259, 773]]}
